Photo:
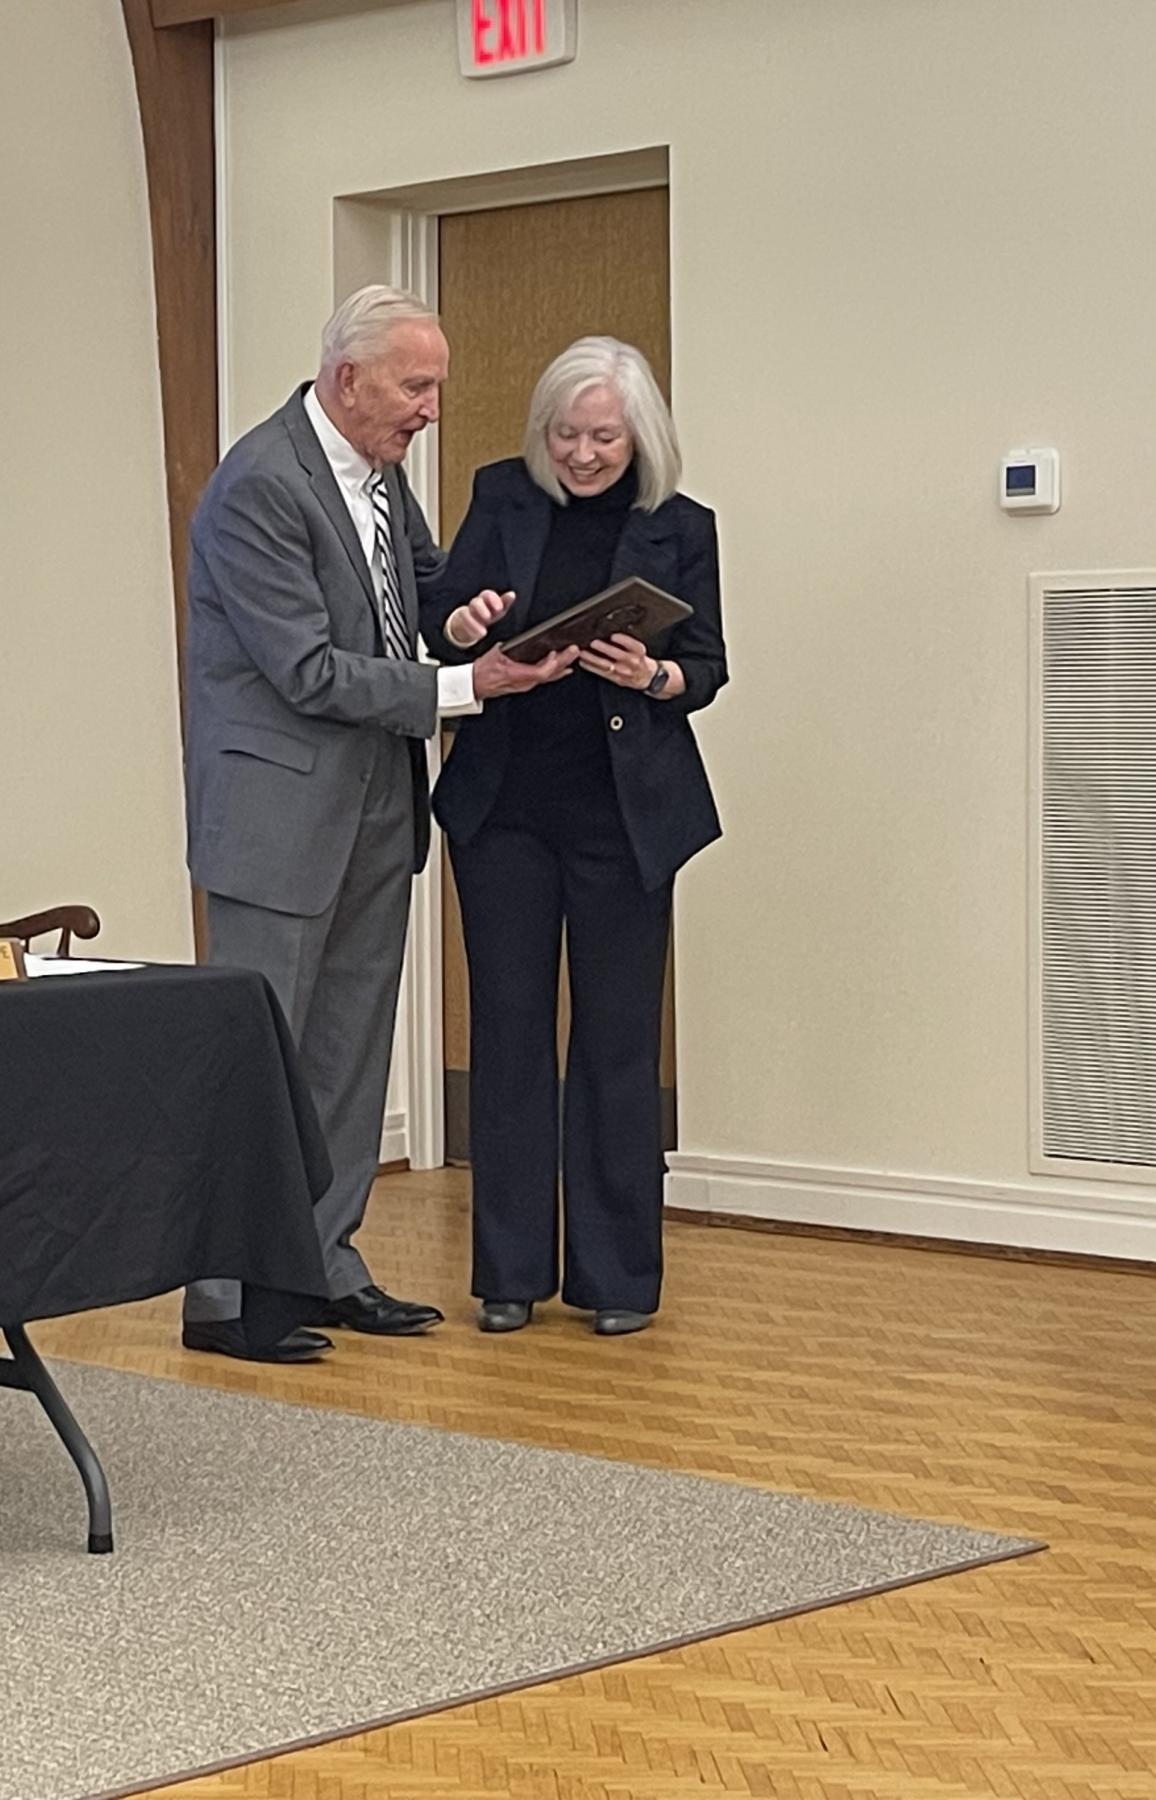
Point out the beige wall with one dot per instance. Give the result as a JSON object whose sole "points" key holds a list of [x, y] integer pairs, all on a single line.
{"points": [[907, 236], [89, 740]]}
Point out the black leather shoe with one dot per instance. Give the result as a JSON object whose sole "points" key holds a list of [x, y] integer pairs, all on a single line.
{"points": [[225, 1337], [371, 1309], [616, 1321], [504, 1315]]}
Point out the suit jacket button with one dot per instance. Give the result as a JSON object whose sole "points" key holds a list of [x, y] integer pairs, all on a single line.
{"points": [[616, 723]]}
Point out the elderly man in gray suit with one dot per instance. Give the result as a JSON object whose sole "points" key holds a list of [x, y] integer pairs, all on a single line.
{"points": [[307, 713]]}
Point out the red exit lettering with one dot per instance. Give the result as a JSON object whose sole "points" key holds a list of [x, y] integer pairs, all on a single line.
{"points": [[519, 25]]}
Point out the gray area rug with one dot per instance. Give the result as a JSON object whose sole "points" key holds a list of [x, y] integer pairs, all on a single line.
{"points": [[285, 1575]]}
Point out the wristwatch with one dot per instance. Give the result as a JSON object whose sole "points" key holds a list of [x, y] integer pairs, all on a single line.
{"points": [[657, 682]]}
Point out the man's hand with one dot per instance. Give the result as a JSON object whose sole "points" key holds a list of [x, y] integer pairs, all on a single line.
{"points": [[467, 625], [496, 673]]}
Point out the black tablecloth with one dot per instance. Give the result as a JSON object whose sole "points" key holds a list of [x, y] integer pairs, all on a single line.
{"points": [[154, 1129]]}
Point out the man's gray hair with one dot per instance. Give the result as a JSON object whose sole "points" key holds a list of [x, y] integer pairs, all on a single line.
{"points": [[597, 362], [360, 327]]}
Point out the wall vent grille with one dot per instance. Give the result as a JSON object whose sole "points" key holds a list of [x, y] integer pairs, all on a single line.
{"points": [[1093, 904]]}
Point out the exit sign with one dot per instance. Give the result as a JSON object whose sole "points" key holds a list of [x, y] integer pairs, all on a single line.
{"points": [[508, 37]]}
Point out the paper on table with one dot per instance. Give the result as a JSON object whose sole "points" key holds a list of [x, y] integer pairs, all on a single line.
{"points": [[71, 965]]}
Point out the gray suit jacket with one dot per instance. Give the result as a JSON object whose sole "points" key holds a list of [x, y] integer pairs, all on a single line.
{"points": [[286, 686]]}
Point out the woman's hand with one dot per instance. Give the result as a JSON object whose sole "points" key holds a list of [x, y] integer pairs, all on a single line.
{"points": [[620, 659], [467, 625], [627, 663]]}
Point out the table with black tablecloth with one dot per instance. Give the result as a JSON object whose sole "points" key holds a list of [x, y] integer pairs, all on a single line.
{"points": [[155, 1129]]}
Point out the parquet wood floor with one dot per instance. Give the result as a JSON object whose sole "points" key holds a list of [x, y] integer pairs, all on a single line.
{"points": [[1002, 1394]]}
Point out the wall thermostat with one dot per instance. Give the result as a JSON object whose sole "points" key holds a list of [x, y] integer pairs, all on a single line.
{"points": [[1029, 481]]}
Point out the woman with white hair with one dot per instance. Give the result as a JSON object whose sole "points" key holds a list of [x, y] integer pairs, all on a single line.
{"points": [[571, 808]]}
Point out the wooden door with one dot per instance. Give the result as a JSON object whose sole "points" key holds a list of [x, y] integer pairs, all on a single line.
{"points": [[517, 284]]}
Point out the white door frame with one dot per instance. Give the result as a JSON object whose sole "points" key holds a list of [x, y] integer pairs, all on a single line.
{"points": [[416, 267]]}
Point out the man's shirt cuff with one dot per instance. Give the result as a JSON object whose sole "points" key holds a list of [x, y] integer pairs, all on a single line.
{"points": [[456, 692]]}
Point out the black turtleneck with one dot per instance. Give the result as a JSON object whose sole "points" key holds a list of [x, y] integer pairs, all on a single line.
{"points": [[559, 732], [579, 554]]}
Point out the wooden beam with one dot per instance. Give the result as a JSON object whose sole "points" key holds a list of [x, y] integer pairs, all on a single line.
{"points": [[185, 12], [166, 13], [174, 83]]}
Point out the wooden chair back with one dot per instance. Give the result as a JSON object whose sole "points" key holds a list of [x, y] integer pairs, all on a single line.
{"points": [[69, 921]]}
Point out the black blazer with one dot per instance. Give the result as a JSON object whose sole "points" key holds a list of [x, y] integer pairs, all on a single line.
{"points": [[667, 806]]}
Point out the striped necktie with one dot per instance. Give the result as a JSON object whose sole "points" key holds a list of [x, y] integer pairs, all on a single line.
{"points": [[395, 634]]}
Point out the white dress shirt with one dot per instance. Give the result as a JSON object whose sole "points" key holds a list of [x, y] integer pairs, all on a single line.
{"points": [[351, 472]]}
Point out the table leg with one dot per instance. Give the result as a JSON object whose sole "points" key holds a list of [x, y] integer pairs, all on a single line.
{"points": [[27, 1371]]}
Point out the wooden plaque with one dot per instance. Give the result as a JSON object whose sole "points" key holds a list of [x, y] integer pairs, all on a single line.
{"points": [[634, 606], [11, 959]]}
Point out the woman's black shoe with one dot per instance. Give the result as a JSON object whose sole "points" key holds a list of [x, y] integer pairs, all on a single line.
{"points": [[504, 1315], [617, 1321]]}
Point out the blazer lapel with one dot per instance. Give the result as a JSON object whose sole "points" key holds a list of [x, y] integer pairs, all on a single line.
{"points": [[316, 465], [648, 548], [525, 527]]}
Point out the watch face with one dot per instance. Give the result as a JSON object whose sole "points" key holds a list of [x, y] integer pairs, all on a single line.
{"points": [[658, 680]]}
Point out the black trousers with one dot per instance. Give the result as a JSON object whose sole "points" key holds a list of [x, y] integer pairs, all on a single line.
{"points": [[519, 880]]}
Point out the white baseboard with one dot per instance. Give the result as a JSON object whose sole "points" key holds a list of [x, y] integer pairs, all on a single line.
{"points": [[1093, 1219], [395, 1138]]}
